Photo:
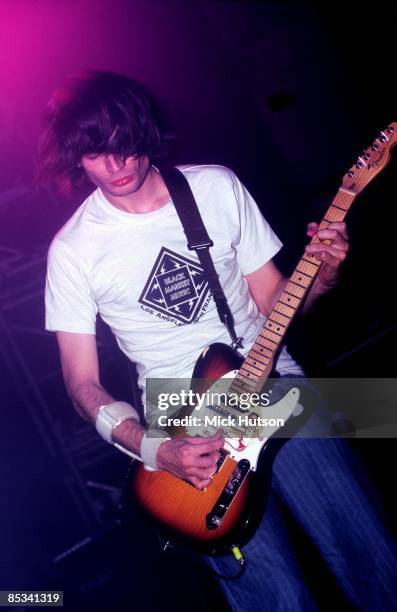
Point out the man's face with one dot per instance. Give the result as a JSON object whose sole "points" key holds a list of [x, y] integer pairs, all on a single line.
{"points": [[116, 177]]}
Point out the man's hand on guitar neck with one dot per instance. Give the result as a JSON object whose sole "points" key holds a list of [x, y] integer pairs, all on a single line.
{"points": [[192, 459], [331, 255]]}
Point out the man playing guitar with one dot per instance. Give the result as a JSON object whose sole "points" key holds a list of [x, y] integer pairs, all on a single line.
{"points": [[110, 258]]}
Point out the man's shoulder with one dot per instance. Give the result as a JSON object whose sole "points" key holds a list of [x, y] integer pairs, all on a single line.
{"points": [[74, 236], [76, 226], [211, 181], [207, 172]]}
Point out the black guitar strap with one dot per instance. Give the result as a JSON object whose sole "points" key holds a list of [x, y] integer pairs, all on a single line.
{"points": [[198, 240]]}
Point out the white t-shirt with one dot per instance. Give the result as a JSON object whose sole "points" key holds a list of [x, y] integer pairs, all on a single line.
{"points": [[136, 271]]}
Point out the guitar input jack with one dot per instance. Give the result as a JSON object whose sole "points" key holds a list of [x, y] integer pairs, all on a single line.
{"points": [[240, 559]]}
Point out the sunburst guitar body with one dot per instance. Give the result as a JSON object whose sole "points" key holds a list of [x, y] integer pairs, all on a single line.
{"points": [[228, 511]]}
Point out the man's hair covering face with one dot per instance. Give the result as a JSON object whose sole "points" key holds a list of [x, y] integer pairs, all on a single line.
{"points": [[98, 112]]}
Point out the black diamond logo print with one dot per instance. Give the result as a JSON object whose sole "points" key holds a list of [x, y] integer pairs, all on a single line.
{"points": [[176, 287]]}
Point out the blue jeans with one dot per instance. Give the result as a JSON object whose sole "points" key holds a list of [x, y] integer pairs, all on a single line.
{"points": [[325, 487]]}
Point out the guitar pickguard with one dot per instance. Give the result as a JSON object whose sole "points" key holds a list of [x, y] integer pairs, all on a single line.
{"points": [[244, 429]]}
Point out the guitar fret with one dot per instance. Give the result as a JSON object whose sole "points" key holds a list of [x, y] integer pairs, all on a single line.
{"points": [[244, 376], [340, 207], [280, 318], [250, 370], [275, 327], [301, 279], [271, 336], [335, 214], [262, 340], [323, 225], [284, 309], [262, 351], [288, 299], [301, 274], [254, 363], [263, 357], [345, 198], [294, 289], [312, 260], [306, 268]]}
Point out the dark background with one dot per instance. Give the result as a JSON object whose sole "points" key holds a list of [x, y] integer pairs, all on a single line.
{"points": [[285, 93]]}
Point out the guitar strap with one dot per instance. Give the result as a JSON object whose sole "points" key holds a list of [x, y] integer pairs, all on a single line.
{"points": [[198, 240]]}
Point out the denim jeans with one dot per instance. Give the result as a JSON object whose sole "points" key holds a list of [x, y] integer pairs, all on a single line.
{"points": [[324, 485]]}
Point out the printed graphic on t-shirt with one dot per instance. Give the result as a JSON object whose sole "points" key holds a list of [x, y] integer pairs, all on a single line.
{"points": [[176, 287]]}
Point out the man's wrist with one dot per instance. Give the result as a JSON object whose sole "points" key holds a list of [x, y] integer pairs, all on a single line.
{"points": [[118, 424], [151, 442], [129, 434]]}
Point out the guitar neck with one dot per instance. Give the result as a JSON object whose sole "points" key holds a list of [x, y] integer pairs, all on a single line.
{"points": [[259, 361], [258, 364]]}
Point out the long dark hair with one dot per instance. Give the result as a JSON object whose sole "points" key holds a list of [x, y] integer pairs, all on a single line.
{"points": [[98, 112]]}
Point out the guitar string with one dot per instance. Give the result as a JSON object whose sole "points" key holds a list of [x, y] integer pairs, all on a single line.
{"points": [[345, 201], [341, 200]]}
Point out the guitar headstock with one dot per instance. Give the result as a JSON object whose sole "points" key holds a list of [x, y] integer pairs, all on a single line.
{"points": [[371, 161]]}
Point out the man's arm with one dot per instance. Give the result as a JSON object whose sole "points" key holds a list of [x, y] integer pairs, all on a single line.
{"points": [[267, 283], [79, 361], [192, 459]]}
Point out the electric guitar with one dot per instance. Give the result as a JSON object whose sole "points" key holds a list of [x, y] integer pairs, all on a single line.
{"points": [[223, 514]]}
